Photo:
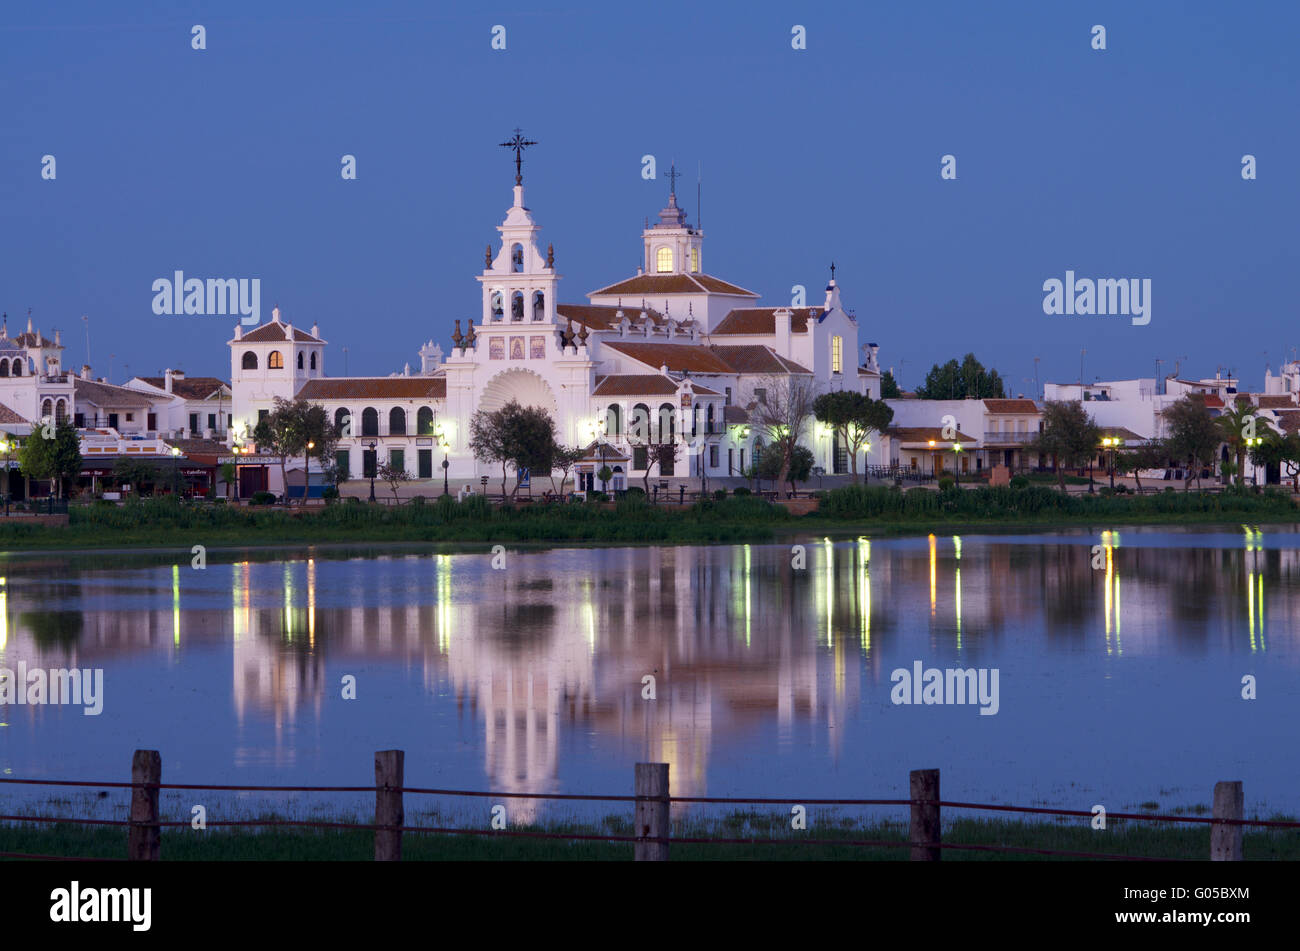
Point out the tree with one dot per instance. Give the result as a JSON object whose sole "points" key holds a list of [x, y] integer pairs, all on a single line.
{"points": [[487, 440], [660, 452], [1068, 434], [563, 459], [67, 453], [1237, 425], [1282, 451], [36, 457], [1149, 455], [55, 456], [889, 388], [282, 433], [967, 380], [783, 415], [322, 438], [134, 472], [853, 417], [229, 473], [1194, 436], [800, 469], [522, 436], [393, 475]]}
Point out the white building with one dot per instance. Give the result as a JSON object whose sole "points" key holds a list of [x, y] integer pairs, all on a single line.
{"points": [[671, 354]]}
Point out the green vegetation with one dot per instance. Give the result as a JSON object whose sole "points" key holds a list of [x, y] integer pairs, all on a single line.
{"points": [[1122, 838], [967, 380], [1036, 503], [739, 517]]}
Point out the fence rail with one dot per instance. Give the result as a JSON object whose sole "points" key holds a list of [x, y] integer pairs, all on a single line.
{"points": [[651, 801]]}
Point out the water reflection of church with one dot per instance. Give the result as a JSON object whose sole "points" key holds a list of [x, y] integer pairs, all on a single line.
{"points": [[736, 638]]}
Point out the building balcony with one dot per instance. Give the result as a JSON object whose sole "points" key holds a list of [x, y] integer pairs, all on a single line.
{"points": [[1008, 439]]}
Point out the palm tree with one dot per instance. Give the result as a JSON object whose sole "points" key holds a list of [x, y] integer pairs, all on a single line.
{"points": [[1237, 426]]}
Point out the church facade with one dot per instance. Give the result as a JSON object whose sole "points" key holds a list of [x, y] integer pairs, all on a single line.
{"points": [[671, 354]]}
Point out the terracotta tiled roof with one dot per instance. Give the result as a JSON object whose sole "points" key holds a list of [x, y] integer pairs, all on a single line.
{"points": [[762, 320], [1010, 406], [376, 388], [604, 317], [672, 284], [199, 447], [923, 434], [610, 454], [1213, 402], [735, 414], [108, 396], [756, 358], [1274, 402], [1288, 420], [634, 384], [9, 416], [1125, 434], [190, 387], [275, 330], [677, 357]]}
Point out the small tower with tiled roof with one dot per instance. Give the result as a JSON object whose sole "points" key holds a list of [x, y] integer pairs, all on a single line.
{"points": [[672, 246]]}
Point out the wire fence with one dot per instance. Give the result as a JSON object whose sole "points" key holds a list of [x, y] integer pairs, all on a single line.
{"points": [[651, 802]]}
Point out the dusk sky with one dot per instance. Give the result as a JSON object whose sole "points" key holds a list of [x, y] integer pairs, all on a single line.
{"points": [[225, 162]]}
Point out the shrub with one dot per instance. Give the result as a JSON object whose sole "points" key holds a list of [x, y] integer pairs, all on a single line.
{"points": [[1019, 482], [634, 491], [741, 490], [262, 498], [719, 494], [417, 500], [330, 494], [947, 484], [601, 496]]}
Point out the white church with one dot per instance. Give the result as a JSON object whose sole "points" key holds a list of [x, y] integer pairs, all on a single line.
{"points": [[671, 347]]}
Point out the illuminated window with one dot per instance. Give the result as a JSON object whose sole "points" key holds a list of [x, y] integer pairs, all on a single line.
{"points": [[664, 260], [837, 354], [695, 260], [276, 360]]}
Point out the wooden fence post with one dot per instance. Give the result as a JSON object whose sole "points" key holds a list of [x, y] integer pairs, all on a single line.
{"points": [[925, 831], [389, 812], [651, 813], [144, 840], [1225, 840]]}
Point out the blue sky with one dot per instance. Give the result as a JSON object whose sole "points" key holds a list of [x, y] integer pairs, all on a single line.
{"points": [[225, 163]]}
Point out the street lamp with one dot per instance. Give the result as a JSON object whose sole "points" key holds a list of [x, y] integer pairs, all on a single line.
{"points": [[446, 490], [1110, 442], [374, 466], [956, 461]]}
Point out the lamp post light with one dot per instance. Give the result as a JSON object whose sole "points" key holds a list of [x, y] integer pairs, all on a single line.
{"points": [[956, 461], [446, 446], [1110, 442], [374, 467]]}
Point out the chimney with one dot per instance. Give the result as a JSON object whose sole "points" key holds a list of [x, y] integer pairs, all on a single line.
{"points": [[782, 329], [85, 371], [315, 330], [167, 380], [58, 340], [275, 313], [239, 332]]}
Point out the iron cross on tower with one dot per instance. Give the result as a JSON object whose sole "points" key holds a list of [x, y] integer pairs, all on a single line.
{"points": [[518, 143], [672, 178]]}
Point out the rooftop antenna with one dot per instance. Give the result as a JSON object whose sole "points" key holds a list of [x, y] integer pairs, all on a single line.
{"points": [[699, 186]]}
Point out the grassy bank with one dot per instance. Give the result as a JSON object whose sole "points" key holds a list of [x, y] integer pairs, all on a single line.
{"points": [[1121, 838], [877, 510]]}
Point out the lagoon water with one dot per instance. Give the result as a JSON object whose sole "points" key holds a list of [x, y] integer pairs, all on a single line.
{"points": [[1119, 658]]}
